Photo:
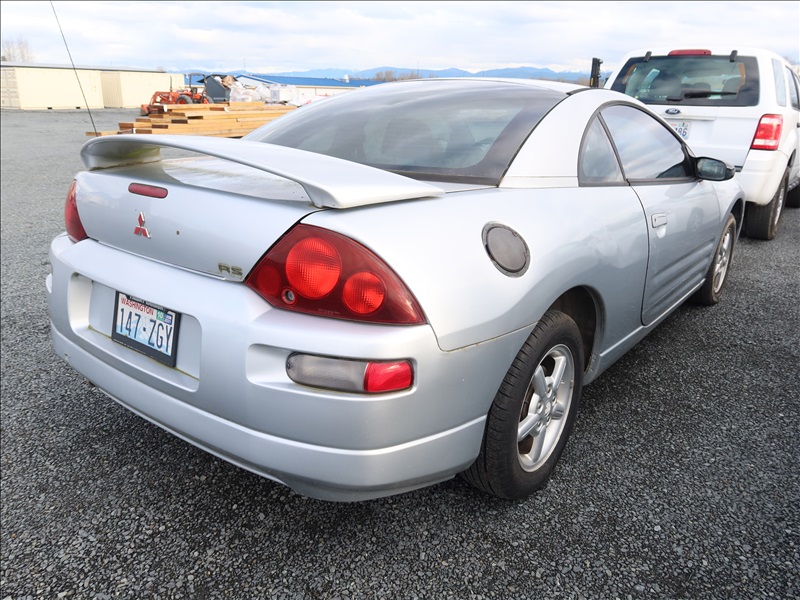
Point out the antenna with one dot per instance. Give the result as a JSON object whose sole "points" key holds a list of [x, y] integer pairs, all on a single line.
{"points": [[89, 110]]}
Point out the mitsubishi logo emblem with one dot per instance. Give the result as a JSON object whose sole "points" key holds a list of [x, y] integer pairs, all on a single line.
{"points": [[141, 229]]}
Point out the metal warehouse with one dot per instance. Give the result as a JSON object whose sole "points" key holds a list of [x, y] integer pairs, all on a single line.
{"points": [[41, 87]]}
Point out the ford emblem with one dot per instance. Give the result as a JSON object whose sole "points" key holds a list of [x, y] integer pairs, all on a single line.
{"points": [[673, 111]]}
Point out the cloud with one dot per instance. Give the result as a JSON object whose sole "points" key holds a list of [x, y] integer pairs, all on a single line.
{"points": [[296, 36]]}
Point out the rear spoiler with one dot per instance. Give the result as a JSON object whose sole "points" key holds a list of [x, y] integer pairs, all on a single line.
{"points": [[329, 182]]}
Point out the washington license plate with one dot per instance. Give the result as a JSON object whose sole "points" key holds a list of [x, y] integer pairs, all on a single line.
{"points": [[146, 328], [681, 128]]}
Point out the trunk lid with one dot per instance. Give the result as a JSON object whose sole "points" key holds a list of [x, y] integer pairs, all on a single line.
{"points": [[219, 212]]}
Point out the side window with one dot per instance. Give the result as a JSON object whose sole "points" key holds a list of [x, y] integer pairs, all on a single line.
{"points": [[780, 84], [794, 93], [647, 148], [597, 163]]}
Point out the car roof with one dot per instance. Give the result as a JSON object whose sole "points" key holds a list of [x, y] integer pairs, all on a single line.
{"points": [[556, 86], [716, 50]]}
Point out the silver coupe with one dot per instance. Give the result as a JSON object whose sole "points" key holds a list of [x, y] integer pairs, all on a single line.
{"points": [[389, 287]]}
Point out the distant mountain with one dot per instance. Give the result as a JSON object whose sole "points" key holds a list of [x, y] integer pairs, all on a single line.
{"points": [[323, 73], [519, 72], [423, 73]]}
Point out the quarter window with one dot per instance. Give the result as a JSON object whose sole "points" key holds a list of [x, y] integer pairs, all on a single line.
{"points": [[647, 148], [597, 163]]}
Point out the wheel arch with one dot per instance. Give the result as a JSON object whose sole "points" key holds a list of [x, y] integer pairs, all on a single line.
{"points": [[582, 306], [737, 210]]}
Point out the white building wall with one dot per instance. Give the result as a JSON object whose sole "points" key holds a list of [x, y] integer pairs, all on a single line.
{"points": [[9, 98], [125, 89], [42, 88]]}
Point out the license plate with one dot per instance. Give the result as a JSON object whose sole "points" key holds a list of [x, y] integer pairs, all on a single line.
{"points": [[146, 328], [681, 127]]}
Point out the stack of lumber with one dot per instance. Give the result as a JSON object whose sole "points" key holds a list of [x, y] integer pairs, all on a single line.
{"points": [[230, 119]]}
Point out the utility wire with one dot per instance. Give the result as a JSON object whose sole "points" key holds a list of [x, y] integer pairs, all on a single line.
{"points": [[89, 110]]}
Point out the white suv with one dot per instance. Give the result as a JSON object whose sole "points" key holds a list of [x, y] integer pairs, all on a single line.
{"points": [[738, 105]]}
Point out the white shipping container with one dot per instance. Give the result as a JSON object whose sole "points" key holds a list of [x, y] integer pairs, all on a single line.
{"points": [[282, 93]]}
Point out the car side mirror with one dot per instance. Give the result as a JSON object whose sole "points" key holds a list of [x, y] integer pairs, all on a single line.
{"points": [[714, 170]]}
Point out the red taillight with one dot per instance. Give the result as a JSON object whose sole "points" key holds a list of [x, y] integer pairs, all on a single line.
{"points": [[313, 267], [768, 133], [363, 293], [388, 377], [319, 272], [72, 219], [690, 52]]}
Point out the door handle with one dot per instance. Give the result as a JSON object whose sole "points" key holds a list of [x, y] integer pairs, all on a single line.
{"points": [[659, 219]]}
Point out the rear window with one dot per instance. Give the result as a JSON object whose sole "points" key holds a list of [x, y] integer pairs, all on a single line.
{"points": [[697, 80], [436, 130]]}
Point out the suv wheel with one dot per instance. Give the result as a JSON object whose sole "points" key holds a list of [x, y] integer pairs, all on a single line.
{"points": [[793, 197], [761, 222]]}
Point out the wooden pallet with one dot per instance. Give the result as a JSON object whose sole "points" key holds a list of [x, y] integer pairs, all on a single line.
{"points": [[234, 120]]}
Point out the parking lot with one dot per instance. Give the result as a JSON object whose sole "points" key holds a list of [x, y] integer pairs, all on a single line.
{"points": [[681, 479]]}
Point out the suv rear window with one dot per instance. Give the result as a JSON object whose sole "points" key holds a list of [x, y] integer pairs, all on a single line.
{"points": [[694, 79]]}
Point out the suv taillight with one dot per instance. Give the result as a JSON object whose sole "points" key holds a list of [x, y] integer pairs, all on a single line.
{"points": [[72, 219], [768, 133], [319, 272]]}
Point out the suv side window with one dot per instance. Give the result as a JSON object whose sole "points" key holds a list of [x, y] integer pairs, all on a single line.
{"points": [[780, 84], [794, 93], [597, 163], [647, 148]]}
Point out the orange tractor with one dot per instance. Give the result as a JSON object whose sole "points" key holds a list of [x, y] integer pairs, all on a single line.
{"points": [[191, 94]]}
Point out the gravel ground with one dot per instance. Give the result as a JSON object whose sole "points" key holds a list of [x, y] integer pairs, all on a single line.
{"points": [[681, 479]]}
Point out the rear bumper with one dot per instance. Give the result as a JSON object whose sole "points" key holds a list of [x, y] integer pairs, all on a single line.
{"points": [[229, 393], [317, 471], [761, 175]]}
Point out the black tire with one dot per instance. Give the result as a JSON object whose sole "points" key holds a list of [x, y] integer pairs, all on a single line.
{"points": [[720, 267], [761, 222], [793, 197], [529, 401], [184, 99]]}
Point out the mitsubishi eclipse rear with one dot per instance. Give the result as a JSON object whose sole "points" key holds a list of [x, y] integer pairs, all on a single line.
{"points": [[390, 288]]}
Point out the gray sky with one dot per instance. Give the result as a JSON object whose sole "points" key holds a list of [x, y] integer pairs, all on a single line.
{"points": [[273, 37]]}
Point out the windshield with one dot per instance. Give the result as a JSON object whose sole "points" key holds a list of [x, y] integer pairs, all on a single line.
{"points": [[699, 80], [445, 130]]}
